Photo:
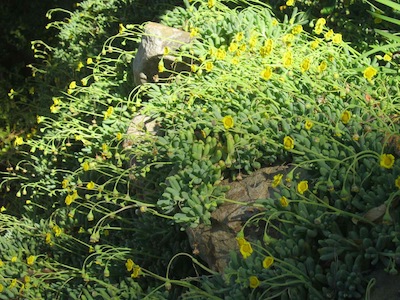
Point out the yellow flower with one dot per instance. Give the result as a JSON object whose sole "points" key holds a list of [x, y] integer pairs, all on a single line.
{"points": [[91, 185], [387, 161], [288, 39], [234, 61], [233, 47], [119, 136], [68, 200], [267, 48], [220, 54], [246, 250], [297, 29], [314, 44], [288, 143], [287, 59], [302, 186], [277, 180], [254, 282], [308, 124], [57, 230], [274, 22], [54, 109], [305, 65], [72, 85], [65, 183], [267, 262], [161, 67], [136, 271], [290, 2], [211, 3], [56, 101], [266, 73], [337, 38], [121, 28], [3, 209], [1, 263], [85, 166], [370, 72], [239, 36], [89, 61], [129, 265], [194, 32], [397, 182], [253, 40], [12, 93], [328, 36], [228, 122], [284, 201], [166, 50], [80, 66], [18, 141], [319, 25], [14, 259], [322, 66], [346, 116], [241, 241], [13, 283], [194, 68], [31, 260], [387, 57], [109, 112], [48, 238], [209, 66], [1, 288]]}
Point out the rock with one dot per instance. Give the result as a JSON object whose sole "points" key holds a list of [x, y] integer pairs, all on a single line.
{"points": [[213, 243], [155, 39], [140, 125], [139, 129]]}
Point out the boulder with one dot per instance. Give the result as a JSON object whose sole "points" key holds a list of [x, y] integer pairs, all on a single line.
{"points": [[140, 125], [155, 39], [214, 242]]}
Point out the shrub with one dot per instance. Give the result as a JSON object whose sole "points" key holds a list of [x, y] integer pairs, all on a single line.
{"points": [[259, 92]]}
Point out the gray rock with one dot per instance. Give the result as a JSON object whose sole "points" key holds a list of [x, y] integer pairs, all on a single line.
{"points": [[214, 243], [140, 125], [151, 49]]}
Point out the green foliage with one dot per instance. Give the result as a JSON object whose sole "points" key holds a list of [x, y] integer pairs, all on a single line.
{"points": [[95, 218], [357, 20]]}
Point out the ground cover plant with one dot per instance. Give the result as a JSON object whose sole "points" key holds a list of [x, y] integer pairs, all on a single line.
{"points": [[93, 219], [365, 19]]}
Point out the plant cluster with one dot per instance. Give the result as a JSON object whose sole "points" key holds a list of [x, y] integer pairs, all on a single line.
{"points": [[92, 218], [365, 20]]}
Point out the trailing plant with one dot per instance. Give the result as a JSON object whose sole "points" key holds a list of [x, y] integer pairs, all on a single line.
{"points": [[259, 92]]}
